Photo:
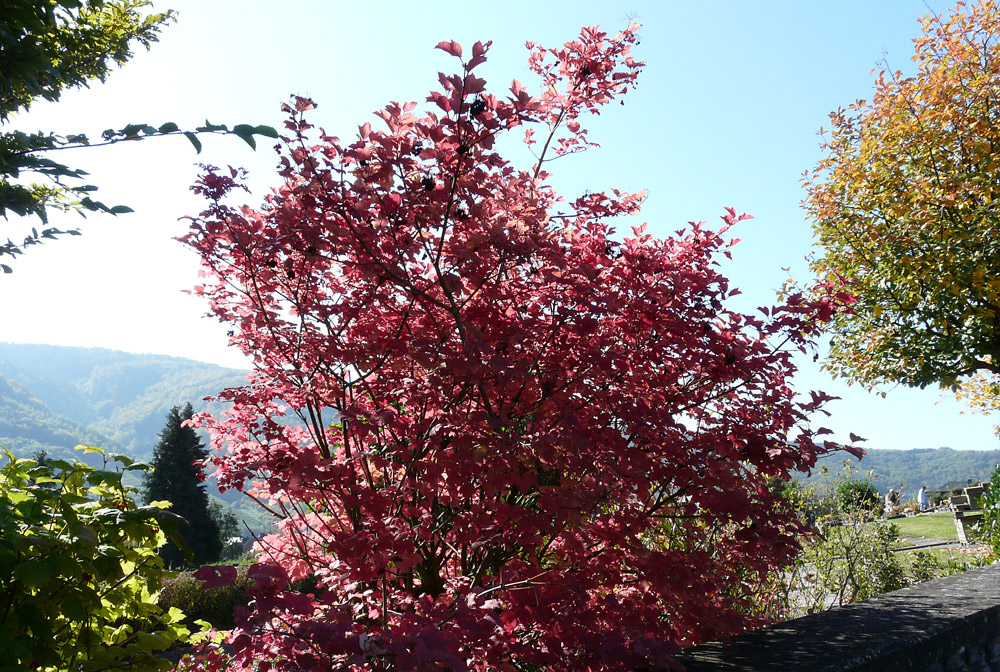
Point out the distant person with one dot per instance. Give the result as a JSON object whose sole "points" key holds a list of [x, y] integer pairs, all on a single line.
{"points": [[922, 497], [890, 500]]}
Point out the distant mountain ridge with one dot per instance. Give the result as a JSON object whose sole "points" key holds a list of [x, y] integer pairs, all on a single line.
{"points": [[933, 467], [53, 397], [27, 425]]}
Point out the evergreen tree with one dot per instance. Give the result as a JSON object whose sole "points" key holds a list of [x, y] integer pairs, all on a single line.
{"points": [[230, 530], [176, 478]]}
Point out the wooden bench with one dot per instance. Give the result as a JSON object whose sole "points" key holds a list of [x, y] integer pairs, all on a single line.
{"points": [[964, 521], [967, 510]]}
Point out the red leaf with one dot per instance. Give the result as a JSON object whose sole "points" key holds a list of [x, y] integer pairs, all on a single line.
{"points": [[856, 451], [479, 366], [304, 104], [264, 574], [452, 47], [216, 576]]}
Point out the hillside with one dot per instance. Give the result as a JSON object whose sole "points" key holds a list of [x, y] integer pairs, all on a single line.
{"points": [[932, 467], [27, 425], [56, 397], [53, 398]]}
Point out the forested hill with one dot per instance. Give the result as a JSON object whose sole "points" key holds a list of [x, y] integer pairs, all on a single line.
{"points": [[27, 425], [933, 467], [54, 398]]}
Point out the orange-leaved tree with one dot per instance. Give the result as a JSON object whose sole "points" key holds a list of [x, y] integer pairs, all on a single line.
{"points": [[905, 205]]}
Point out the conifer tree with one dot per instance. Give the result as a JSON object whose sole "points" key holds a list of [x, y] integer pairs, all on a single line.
{"points": [[177, 478]]}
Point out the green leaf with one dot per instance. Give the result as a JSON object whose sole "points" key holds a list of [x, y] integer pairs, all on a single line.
{"points": [[168, 127], [106, 551], [72, 608], [194, 141], [34, 574], [83, 534], [150, 642], [103, 477], [17, 496], [74, 499], [266, 131], [89, 449], [123, 459], [210, 127], [245, 133], [121, 210], [173, 615], [170, 524], [30, 615]]}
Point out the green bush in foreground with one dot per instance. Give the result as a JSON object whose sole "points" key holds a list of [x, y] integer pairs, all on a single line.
{"points": [[215, 605], [79, 571], [852, 555], [989, 526]]}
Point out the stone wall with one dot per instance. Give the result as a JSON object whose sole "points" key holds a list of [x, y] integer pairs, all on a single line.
{"points": [[948, 625]]}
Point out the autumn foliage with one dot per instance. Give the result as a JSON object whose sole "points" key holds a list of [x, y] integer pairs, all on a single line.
{"points": [[521, 441], [904, 205]]}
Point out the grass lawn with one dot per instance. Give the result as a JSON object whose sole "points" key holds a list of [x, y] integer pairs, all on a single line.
{"points": [[929, 525], [942, 561], [943, 555]]}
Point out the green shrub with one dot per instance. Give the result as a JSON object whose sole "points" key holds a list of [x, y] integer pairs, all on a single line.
{"points": [[848, 561], [989, 526], [858, 495], [79, 571], [851, 555], [849, 558], [924, 567], [216, 605]]}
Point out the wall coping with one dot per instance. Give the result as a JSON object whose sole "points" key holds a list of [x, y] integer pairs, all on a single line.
{"points": [[902, 630]]}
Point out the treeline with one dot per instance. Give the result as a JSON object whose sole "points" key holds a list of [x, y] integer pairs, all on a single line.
{"points": [[910, 469]]}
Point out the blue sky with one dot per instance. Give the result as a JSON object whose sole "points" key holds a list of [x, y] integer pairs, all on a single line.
{"points": [[726, 114]]}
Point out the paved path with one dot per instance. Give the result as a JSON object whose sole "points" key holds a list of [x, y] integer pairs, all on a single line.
{"points": [[920, 543]]}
